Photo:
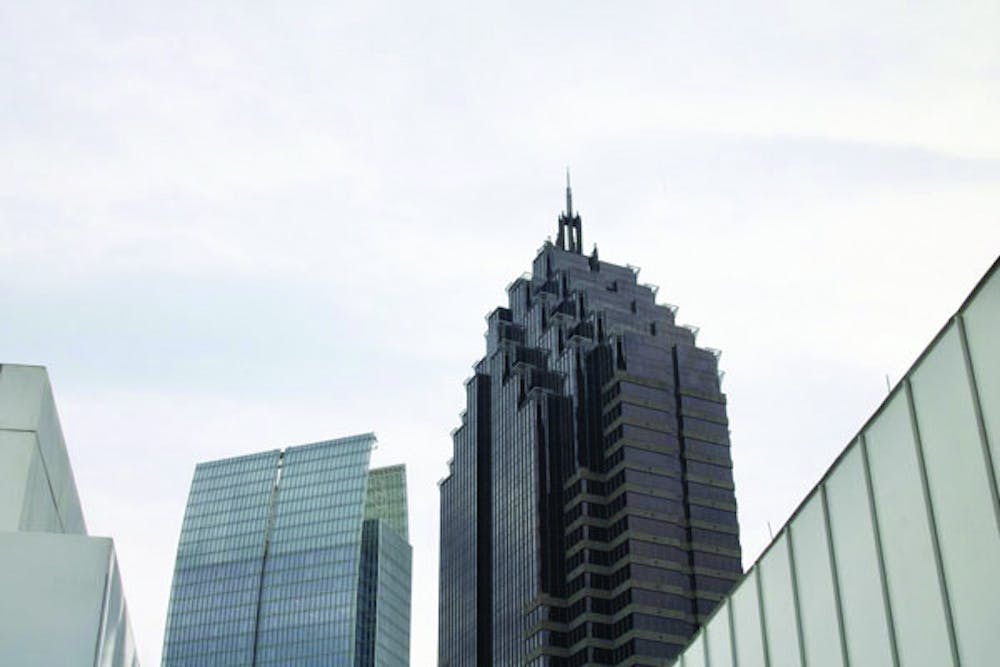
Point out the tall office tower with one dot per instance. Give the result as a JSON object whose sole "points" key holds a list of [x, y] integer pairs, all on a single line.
{"points": [[293, 557], [589, 516], [61, 599]]}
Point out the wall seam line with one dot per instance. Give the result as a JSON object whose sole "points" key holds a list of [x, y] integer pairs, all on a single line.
{"points": [[269, 526], [732, 633], [929, 507], [103, 623], [793, 572], [977, 407], [48, 481], [886, 600], [704, 641], [763, 620], [834, 573]]}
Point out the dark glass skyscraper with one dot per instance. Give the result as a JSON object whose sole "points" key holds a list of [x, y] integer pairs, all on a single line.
{"points": [[293, 557], [589, 517]]}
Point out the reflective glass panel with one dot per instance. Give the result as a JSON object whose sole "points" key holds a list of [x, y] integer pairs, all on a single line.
{"points": [[911, 574], [814, 578], [779, 604], [719, 642], [746, 623], [961, 497], [982, 329], [856, 556], [694, 655]]}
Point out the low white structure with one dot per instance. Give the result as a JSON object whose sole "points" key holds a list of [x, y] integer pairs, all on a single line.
{"points": [[892, 558], [61, 601]]}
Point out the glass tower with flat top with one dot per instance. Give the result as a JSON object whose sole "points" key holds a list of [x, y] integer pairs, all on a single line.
{"points": [[589, 513], [295, 557]]}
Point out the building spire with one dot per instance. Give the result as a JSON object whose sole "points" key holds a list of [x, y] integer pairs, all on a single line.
{"points": [[571, 221], [569, 197]]}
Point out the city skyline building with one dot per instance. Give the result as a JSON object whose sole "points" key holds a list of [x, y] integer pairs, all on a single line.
{"points": [[62, 601], [589, 514], [295, 556]]}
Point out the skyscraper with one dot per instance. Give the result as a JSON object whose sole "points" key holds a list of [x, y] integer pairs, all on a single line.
{"points": [[589, 515], [293, 557]]}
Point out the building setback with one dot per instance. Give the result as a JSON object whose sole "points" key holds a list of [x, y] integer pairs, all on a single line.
{"points": [[293, 557], [589, 515]]}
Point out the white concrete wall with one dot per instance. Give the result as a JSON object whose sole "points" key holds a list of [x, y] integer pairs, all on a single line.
{"points": [[38, 482], [61, 600], [26, 500]]}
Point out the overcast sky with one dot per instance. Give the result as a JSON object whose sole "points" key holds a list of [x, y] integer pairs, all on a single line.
{"points": [[227, 227]]}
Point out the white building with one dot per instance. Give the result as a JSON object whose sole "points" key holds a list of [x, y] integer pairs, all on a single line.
{"points": [[893, 557], [61, 600]]}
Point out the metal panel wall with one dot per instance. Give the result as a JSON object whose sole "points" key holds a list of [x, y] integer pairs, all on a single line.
{"points": [[892, 558]]}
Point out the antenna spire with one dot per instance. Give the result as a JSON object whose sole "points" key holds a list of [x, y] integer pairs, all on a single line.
{"points": [[570, 221], [569, 196]]}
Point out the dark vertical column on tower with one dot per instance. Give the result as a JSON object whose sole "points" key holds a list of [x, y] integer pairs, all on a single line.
{"points": [[484, 522], [611, 531], [465, 587], [364, 654]]}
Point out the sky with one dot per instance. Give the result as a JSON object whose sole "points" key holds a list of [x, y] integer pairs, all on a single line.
{"points": [[228, 227]]}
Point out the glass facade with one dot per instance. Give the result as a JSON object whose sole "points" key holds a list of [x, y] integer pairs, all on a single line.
{"points": [[386, 498], [383, 636], [589, 516], [269, 563], [892, 558], [383, 628]]}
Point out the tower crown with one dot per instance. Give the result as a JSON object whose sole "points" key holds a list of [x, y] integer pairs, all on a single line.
{"points": [[569, 221]]}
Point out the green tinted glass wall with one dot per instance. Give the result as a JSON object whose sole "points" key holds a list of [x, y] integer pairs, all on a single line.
{"points": [[309, 592], [383, 628], [220, 560], [269, 565], [386, 498], [892, 559]]}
